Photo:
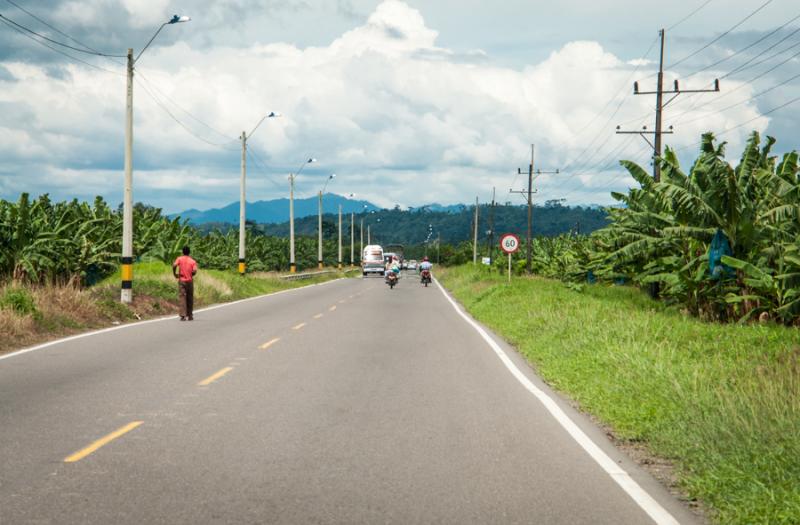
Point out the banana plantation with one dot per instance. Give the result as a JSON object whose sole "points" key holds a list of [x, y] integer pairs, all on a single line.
{"points": [[722, 242], [77, 242]]}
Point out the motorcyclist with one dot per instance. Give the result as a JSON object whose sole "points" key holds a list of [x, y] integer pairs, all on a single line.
{"points": [[393, 266], [424, 265]]}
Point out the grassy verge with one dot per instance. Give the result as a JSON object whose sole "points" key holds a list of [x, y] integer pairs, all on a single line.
{"points": [[30, 315], [722, 402]]}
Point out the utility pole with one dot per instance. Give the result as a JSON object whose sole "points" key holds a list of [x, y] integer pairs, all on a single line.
{"points": [[361, 232], [657, 142], [319, 232], [340, 237], [352, 238], [475, 235], [491, 229], [126, 294], [242, 204], [438, 242], [369, 239], [292, 265], [530, 191]]}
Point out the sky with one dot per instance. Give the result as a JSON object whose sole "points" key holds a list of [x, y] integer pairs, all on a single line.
{"points": [[408, 102]]}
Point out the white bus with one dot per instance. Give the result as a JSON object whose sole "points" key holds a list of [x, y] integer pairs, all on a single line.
{"points": [[372, 260]]}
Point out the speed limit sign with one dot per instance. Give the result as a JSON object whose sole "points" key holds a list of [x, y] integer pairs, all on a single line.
{"points": [[509, 243]]}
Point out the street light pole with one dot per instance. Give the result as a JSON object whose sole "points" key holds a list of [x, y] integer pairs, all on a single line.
{"points": [[242, 204], [352, 238], [292, 176], [340, 237], [242, 193], [292, 265], [126, 261], [320, 262], [127, 199]]}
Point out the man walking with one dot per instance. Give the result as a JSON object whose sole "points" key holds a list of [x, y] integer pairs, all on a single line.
{"points": [[184, 268]]}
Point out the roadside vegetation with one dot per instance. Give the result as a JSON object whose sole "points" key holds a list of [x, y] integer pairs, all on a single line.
{"points": [[721, 242], [721, 401], [32, 313]]}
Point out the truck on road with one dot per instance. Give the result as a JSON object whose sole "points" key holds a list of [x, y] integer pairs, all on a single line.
{"points": [[372, 260]]}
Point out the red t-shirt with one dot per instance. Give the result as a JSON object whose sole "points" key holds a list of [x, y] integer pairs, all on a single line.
{"points": [[186, 265]]}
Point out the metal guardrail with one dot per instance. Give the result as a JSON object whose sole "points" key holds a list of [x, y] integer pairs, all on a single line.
{"points": [[305, 275], [309, 275]]}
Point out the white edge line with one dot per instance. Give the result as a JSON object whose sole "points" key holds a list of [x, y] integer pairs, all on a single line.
{"points": [[658, 513], [160, 319]]}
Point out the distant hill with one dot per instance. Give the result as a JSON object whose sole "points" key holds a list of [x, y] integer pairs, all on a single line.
{"points": [[453, 224], [276, 210]]}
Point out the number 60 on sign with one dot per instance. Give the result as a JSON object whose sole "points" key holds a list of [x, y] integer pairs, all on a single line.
{"points": [[509, 243]]}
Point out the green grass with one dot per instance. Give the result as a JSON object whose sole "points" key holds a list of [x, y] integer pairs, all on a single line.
{"points": [[721, 401], [32, 314], [154, 280]]}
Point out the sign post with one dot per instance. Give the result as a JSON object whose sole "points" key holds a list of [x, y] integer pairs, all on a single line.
{"points": [[509, 243]]}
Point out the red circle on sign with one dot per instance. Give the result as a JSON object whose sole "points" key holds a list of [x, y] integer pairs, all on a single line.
{"points": [[509, 243]]}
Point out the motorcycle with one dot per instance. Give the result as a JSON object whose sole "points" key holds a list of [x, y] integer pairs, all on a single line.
{"points": [[391, 279], [425, 277]]}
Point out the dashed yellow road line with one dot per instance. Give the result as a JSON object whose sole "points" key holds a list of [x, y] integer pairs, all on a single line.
{"points": [[269, 343], [332, 308], [213, 377], [317, 316], [299, 326], [79, 455]]}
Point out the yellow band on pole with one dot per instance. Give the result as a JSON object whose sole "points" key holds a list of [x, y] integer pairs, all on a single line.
{"points": [[127, 272], [241, 267]]}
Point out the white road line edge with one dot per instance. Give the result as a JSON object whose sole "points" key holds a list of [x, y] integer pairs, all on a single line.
{"points": [[658, 513], [160, 319]]}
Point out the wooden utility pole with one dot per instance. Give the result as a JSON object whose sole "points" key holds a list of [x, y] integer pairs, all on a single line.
{"points": [[530, 191], [475, 235], [491, 229], [659, 132]]}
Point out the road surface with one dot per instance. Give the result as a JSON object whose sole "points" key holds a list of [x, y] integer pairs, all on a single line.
{"points": [[338, 403]]}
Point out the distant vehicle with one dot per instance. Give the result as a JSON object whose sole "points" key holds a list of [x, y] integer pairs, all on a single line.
{"points": [[387, 257], [412, 265], [372, 260], [396, 249]]}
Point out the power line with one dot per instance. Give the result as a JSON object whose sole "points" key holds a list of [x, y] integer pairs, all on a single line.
{"points": [[742, 50], [717, 39], [616, 110], [261, 165], [52, 27], [56, 42], [144, 86], [728, 130], [742, 85], [687, 17], [726, 108], [60, 52], [184, 110]]}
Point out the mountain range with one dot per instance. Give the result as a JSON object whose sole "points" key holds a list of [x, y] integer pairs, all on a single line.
{"points": [[276, 210]]}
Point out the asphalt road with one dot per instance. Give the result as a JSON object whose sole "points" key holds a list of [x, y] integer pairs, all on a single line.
{"points": [[341, 403]]}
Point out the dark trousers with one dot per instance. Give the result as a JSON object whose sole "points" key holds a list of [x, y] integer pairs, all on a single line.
{"points": [[186, 295]]}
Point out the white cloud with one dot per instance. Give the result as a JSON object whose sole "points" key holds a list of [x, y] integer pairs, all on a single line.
{"points": [[398, 118]]}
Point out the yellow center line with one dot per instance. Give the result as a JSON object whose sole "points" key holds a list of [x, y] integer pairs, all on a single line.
{"points": [[332, 308], [317, 316], [213, 377], [269, 343], [79, 455], [298, 327]]}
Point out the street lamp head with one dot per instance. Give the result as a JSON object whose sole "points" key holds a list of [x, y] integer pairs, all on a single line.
{"points": [[178, 19], [311, 160], [274, 114], [333, 176]]}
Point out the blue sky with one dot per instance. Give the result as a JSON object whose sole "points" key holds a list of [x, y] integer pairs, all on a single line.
{"points": [[408, 102]]}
